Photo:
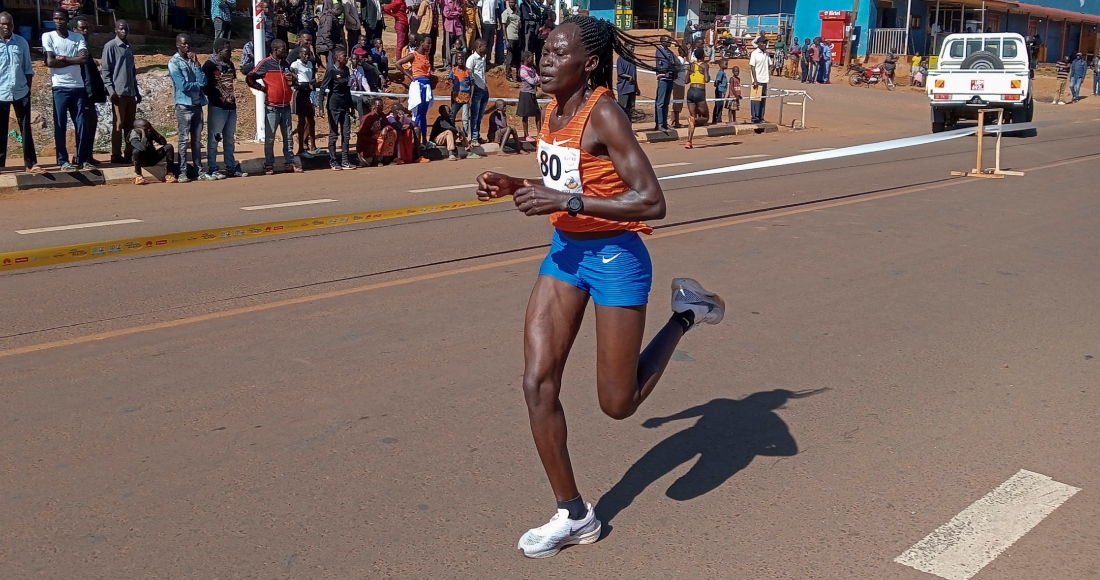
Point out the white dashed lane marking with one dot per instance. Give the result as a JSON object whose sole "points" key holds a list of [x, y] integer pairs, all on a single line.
{"points": [[444, 188], [77, 226], [818, 149], [678, 164], [963, 546], [757, 156], [287, 204]]}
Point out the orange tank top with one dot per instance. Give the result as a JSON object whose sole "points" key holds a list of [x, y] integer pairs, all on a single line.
{"points": [[421, 65], [567, 167]]}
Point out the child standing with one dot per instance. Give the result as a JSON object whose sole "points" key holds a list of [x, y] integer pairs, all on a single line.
{"points": [[734, 104], [462, 92], [337, 86], [528, 105], [721, 85], [302, 105]]}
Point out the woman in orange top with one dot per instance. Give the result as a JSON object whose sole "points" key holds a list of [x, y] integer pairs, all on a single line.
{"points": [[420, 82], [597, 187]]}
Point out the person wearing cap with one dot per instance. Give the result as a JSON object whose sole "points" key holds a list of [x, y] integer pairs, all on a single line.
{"points": [[1077, 76]]}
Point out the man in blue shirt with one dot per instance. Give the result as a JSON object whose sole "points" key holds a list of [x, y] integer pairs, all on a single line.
{"points": [[15, 91], [188, 81], [627, 85], [1077, 72]]}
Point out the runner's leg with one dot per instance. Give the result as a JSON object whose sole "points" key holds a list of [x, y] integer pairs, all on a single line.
{"points": [[554, 315], [625, 378]]}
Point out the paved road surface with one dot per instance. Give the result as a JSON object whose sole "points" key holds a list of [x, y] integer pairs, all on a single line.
{"points": [[328, 406]]}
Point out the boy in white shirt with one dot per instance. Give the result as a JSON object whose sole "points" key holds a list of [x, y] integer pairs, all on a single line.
{"points": [[302, 106], [65, 52]]}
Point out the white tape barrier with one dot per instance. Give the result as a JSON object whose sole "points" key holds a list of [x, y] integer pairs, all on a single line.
{"points": [[856, 150], [783, 93]]}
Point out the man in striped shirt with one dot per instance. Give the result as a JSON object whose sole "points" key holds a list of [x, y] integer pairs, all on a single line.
{"points": [[1063, 79]]}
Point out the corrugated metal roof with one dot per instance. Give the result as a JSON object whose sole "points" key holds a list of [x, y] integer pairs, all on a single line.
{"points": [[1056, 13]]}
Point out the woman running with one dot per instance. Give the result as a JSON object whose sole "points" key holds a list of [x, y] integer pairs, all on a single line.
{"points": [[697, 94], [597, 187]]}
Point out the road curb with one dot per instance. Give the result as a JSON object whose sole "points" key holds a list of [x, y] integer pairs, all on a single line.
{"points": [[709, 131]]}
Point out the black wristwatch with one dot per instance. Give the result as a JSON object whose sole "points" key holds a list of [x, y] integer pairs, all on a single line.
{"points": [[574, 205]]}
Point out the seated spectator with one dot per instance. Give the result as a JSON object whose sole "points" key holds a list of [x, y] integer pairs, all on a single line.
{"points": [[376, 138], [500, 131], [408, 136], [379, 58], [144, 139], [446, 135]]}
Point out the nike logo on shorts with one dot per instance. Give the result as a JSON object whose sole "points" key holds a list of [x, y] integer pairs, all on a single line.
{"points": [[608, 260]]}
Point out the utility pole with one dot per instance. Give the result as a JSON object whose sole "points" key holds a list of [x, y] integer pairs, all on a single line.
{"points": [[261, 53]]}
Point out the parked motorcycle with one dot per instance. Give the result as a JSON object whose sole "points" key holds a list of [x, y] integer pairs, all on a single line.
{"points": [[732, 48], [860, 75]]}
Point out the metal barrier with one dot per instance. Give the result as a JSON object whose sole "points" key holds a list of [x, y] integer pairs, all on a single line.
{"points": [[797, 123], [887, 40]]}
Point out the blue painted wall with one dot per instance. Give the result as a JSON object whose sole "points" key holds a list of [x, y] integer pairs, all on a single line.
{"points": [[604, 9]]}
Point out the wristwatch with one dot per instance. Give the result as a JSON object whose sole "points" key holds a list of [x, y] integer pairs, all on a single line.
{"points": [[574, 205]]}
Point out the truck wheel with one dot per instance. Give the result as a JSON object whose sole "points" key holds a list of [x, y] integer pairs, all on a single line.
{"points": [[1029, 111], [982, 60], [937, 127]]}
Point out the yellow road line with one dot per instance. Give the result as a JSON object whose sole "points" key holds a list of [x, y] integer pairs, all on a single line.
{"points": [[39, 257], [487, 266]]}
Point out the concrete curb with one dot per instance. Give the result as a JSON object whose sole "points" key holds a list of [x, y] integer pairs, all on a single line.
{"points": [[708, 131]]}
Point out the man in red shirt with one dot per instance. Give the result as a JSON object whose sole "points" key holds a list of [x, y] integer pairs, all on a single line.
{"points": [[278, 80]]}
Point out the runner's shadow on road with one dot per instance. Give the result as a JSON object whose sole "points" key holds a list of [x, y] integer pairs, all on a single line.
{"points": [[726, 437]]}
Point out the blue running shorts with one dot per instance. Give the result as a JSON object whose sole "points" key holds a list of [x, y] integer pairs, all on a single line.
{"points": [[615, 271]]}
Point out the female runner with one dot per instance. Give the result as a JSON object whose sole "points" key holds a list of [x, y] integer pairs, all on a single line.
{"points": [[597, 187], [697, 94]]}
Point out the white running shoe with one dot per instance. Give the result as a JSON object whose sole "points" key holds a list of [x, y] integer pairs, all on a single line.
{"points": [[547, 540], [687, 294]]}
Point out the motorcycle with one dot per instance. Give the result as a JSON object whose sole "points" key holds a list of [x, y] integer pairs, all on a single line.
{"points": [[860, 75], [732, 47]]}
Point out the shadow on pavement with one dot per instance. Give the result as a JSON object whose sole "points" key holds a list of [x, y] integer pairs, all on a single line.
{"points": [[727, 436]]}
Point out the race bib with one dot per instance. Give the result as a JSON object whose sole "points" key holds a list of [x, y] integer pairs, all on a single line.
{"points": [[560, 167]]}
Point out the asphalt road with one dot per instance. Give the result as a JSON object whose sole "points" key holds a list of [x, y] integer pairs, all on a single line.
{"points": [[346, 403]]}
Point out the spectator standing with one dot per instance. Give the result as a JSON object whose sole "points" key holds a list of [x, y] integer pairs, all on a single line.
{"points": [[490, 24], [528, 105], [760, 71], [277, 79], [428, 14], [815, 60], [666, 69], [780, 57], [711, 36], [189, 82], [679, 89], [414, 21], [1062, 73], [471, 21], [721, 85], [1078, 69], [143, 141], [16, 75], [824, 71], [512, 22], [222, 112], [733, 103], [454, 33], [221, 14], [66, 52], [796, 57], [626, 76], [280, 20], [248, 56], [804, 60], [330, 32], [400, 13], [93, 85], [1096, 75], [531, 15], [352, 25], [301, 105], [476, 65], [120, 82], [370, 14], [337, 85], [462, 92], [420, 82]]}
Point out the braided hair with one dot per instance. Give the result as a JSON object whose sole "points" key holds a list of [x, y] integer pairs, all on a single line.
{"points": [[601, 38]]}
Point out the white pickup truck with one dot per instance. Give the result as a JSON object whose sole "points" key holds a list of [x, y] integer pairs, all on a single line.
{"points": [[981, 71]]}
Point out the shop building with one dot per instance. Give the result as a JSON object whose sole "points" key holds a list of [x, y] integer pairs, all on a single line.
{"points": [[879, 26]]}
